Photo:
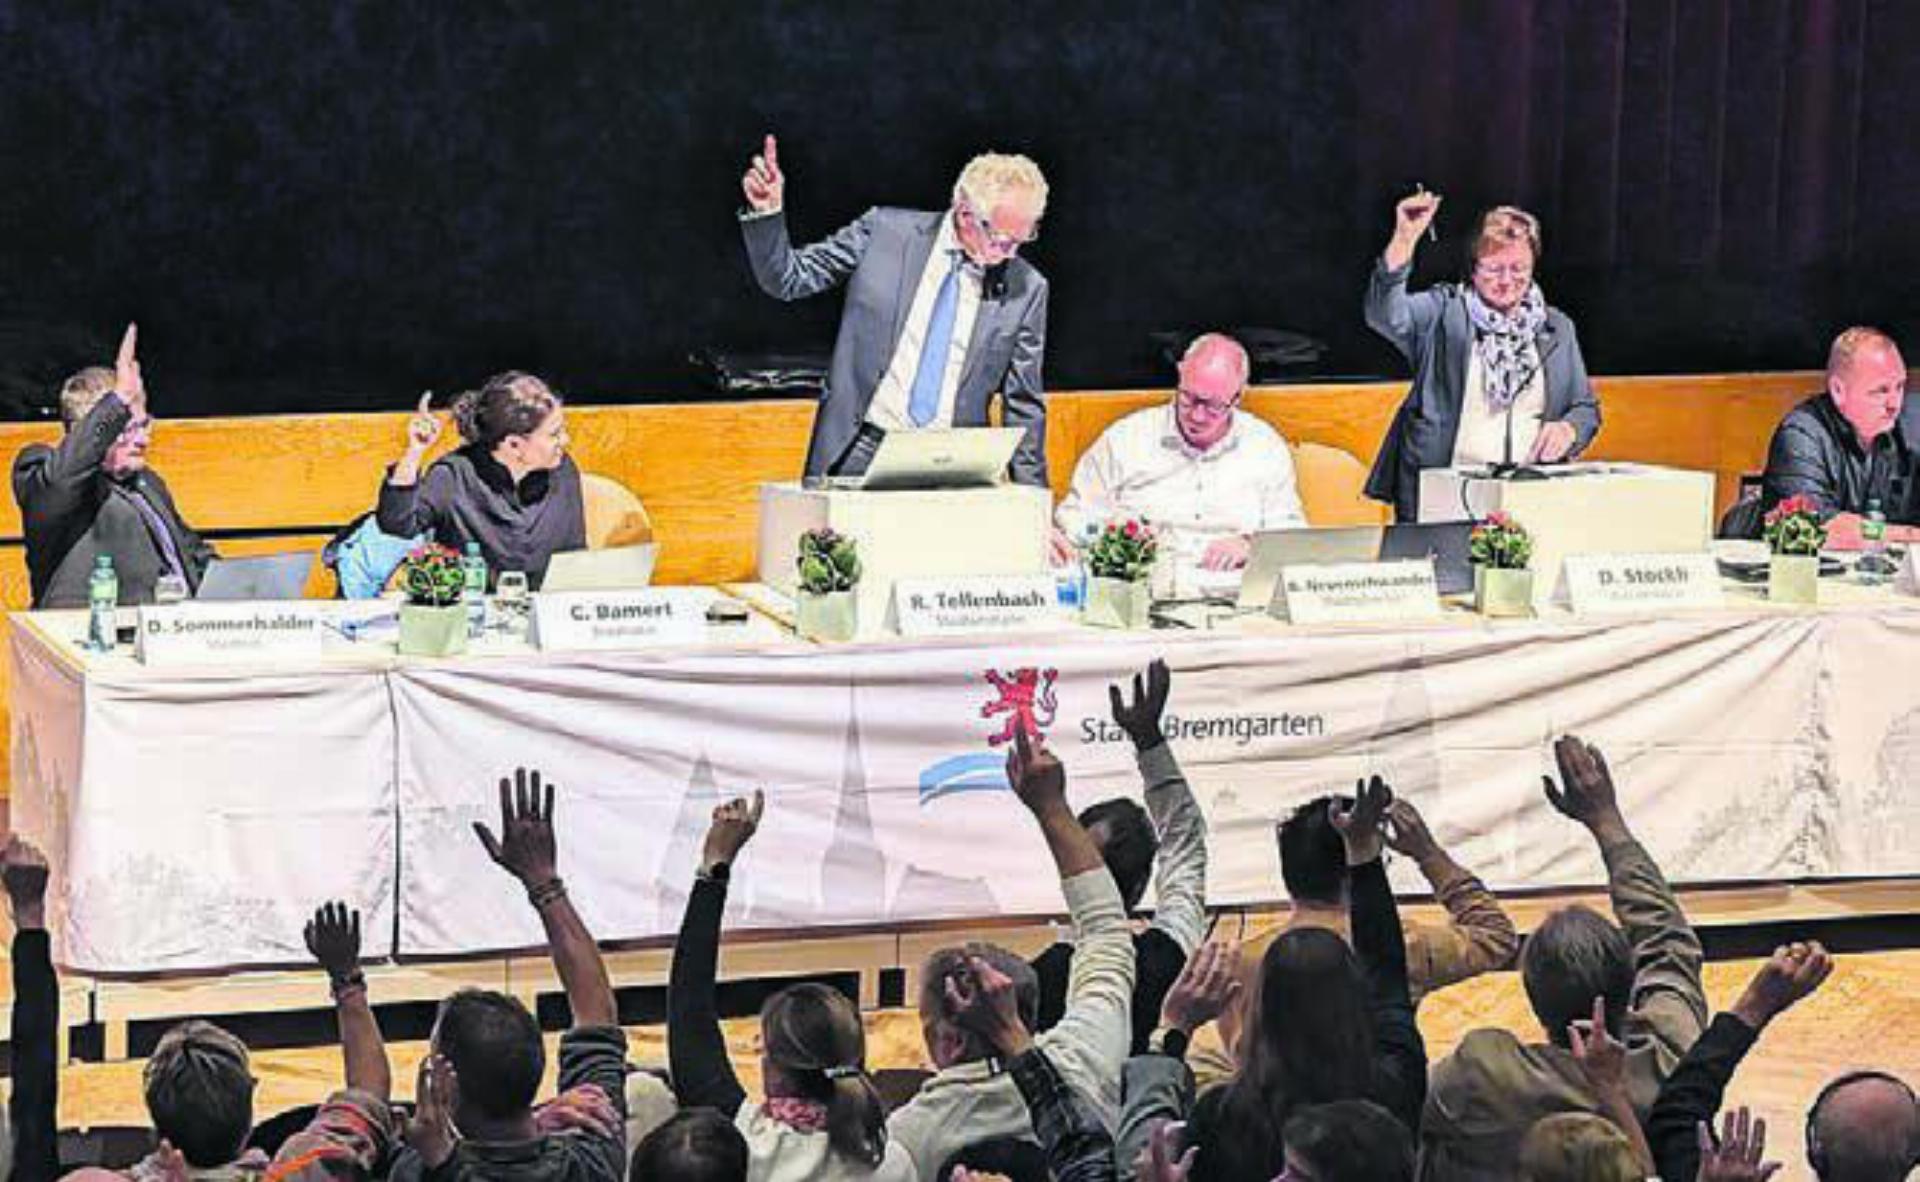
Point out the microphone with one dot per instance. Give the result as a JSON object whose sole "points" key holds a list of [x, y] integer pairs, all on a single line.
{"points": [[1506, 469]]}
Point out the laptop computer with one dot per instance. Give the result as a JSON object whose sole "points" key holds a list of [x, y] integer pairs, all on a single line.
{"points": [[1273, 550], [958, 457], [256, 578], [1446, 542], [616, 568]]}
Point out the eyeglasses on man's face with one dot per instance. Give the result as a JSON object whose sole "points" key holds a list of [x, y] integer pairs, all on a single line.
{"points": [[996, 239], [1200, 404]]}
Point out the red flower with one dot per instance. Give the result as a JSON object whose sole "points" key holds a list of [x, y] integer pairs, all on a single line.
{"points": [[1498, 519], [1133, 529], [1795, 505]]}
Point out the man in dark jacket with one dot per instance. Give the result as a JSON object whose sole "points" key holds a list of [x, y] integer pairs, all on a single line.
{"points": [[92, 494], [1854, 445]]}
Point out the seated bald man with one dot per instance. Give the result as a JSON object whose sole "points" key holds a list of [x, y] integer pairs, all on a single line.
{"points": [[93, 494], [1203, 472], [1854, 445]]}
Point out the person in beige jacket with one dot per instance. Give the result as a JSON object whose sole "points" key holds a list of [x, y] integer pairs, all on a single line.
{"points": [[1484, 1097]]}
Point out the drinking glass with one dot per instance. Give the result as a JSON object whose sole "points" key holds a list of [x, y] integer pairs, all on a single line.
{"points": [[169, 589], [510, 601]]}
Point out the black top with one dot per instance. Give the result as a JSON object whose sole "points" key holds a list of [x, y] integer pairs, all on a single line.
{"points": [[468, 496], [696, 1049], [72, 512], [1399, 1081], [1815, 452], [36, 1028], [1157, 963], [1693, 1093]]}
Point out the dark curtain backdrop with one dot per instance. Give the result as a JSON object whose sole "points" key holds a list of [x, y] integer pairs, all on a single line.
{"points": [[317, 205]]}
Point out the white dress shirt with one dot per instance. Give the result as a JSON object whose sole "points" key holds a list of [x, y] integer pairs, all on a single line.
{"points": [[888, 410], [1482, 436], [1142, 467]]}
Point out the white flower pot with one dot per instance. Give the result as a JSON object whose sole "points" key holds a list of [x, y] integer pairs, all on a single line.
{"points": [[1793, 578], [832, 617], [433, 631], [1498, 591], [1117, 603]]}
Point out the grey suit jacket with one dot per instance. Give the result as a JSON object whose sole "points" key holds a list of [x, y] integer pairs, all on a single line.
{"points": [[1433, 332], [72, 512], [880, 257]]}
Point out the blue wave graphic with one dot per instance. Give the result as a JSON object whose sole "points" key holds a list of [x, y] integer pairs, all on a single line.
{"points": [[981, 771]]}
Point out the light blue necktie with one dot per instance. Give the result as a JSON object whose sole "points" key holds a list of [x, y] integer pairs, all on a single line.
{"points": [[924, 402]]}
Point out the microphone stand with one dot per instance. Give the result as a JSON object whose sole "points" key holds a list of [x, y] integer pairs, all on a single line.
{"points": [[1506, 469]]}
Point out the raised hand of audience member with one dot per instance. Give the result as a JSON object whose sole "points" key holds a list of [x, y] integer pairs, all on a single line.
{"points": [[1358, 824], [1208, 984], [734, 824], [1161, 1160], [333, 937], [1040, 782], [23, 871], [165, 1164], [1791, 973], [1140, 715], [1585, 792], [1743, 1142], [1603, 1060], [1406, 832], [429, 1131], [584, 1109], [525, 847], [983, 1000]]}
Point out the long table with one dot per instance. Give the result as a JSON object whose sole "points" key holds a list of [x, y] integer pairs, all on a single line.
{"points": [[195, 818]]}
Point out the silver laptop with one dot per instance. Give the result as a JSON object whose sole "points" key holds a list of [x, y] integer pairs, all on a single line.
{"points": [[262, 577], [616, 568], [958, 457], [1276, 549]]}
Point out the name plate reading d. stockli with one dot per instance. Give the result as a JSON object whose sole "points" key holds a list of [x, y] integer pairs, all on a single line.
{"points": [[1358, 592], [227, 633], [992, 603], [578, 621], [1622, 584]]}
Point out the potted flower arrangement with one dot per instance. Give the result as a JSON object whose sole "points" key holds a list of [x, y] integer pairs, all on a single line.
{"points": [[829, 571], [433, 620], [1501, 548], [1795, 535], [1119, 564]]}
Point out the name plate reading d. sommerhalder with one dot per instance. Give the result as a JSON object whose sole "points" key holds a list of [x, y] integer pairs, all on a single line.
{"points": [[227, 633], [1621, 584], [1358, 592], [575, 621], [993, 603]]}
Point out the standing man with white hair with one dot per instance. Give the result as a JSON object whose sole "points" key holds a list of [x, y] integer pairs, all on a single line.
{"points": [[940, 310], [1200, 470]]}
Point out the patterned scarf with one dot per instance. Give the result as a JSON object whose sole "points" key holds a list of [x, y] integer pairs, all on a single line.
{"points": [[1505, 343], [802, 1116]]}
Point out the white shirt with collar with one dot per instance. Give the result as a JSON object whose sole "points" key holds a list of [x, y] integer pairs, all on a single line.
{"points": [[888, 410], [1143, 467]]}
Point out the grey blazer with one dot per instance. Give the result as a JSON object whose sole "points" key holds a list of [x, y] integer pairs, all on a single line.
{"points": [[880, 257], [1433, 332]]}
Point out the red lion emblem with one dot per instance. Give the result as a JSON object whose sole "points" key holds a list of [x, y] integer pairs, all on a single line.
{"points": [[1026, 697]]}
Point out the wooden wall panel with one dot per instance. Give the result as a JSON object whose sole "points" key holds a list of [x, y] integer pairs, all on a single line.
{"points": [[698, 466]]}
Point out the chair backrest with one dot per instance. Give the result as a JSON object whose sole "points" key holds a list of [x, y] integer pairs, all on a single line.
{"points": [[615, 516], [1332, 487]]}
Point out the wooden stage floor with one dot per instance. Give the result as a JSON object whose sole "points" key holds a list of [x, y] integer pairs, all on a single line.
{"points": [[1867, 1015]]}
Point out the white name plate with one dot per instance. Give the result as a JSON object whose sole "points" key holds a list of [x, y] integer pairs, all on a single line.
{"points": [[577, 621], [227, 633], [1618, 584], [996, 603], [1358, 592]]}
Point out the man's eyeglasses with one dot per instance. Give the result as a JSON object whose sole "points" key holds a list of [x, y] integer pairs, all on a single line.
{"points": [[997, 239], [1207, 406], [1504, 271]]}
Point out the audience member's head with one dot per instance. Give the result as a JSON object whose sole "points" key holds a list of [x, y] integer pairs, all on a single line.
{"points": [[815, 1048], [1128, 844], [1309, 1040], [1577, 955], [1863, 1127], [1867, 380], [697, 1145], [516, 418], [1017, 1161], [949, 1042], [1313, 860], [1578, 1147], [493, 1045], [1347, 1141], [200, 1093]]}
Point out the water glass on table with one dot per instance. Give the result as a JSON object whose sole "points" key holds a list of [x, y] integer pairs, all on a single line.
{"points": [[169, 589], [510, 602]]}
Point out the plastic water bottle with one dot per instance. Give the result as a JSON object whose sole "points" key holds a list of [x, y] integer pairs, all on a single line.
{"points": [[473, 567], [1873, 568], [103, 596]]}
